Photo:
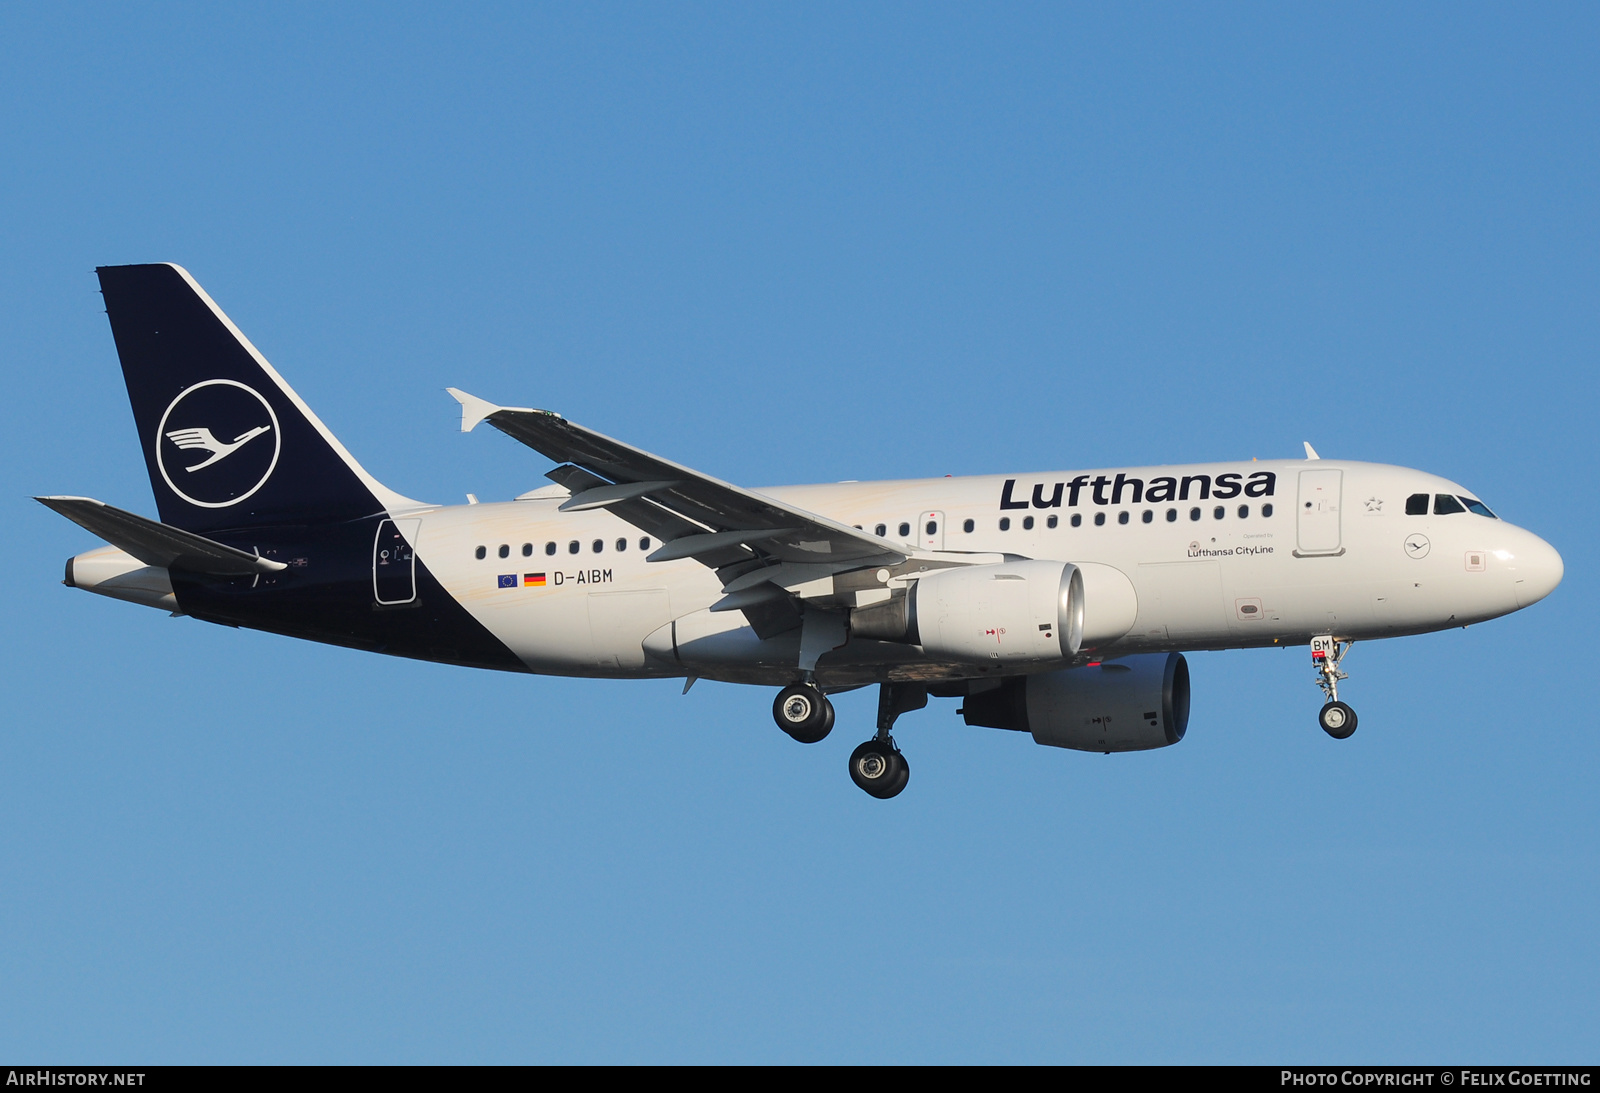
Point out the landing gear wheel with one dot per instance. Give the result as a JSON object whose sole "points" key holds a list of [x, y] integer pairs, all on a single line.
{"points": [[878, 767], [803, 712], [1337, 720]]}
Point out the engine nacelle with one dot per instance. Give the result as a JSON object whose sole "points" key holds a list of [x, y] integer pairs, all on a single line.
{"points": [[1110, 604], [1010, 613], [1132, 704]]}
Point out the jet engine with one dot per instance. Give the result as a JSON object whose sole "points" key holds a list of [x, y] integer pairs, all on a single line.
{"points": [[1131, 704], [1012, 612]]}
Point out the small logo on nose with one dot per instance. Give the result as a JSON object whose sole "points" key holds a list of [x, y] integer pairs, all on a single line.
{"points": [[1417, 545]]}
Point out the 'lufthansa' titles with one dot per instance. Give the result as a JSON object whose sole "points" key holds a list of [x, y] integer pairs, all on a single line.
{"points": [[1104, 490]]}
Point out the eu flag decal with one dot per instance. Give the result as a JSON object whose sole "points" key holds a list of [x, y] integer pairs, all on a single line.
{"points": [[508, 580]]}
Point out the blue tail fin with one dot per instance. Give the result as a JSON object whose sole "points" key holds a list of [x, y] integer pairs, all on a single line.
{"points": [[228, 444]]}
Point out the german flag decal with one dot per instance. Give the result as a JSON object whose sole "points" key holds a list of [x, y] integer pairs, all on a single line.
{"points": [[533, 580]]}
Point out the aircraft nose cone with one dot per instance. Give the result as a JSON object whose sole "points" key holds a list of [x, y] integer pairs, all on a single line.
{"points": [[1538, 570]]}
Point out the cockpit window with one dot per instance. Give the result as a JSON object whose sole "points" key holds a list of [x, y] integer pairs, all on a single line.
{"points": [[1478, 507], [1417, 505], [1445, 505]]}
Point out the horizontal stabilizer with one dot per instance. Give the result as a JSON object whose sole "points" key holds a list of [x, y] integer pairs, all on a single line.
{"points": [[159, 544]]}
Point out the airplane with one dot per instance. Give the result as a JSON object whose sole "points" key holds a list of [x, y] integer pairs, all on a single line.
{"points": [[1058, 604]]}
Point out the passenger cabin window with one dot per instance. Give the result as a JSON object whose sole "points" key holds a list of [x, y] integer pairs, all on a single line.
{"points": [[572, 547], [1219, 512], [505, 550], [549, 548], [933, 527], [527, 550], [1122, 517], [1478, 507], [1005, 523], [1027, 523], [1417, 505], [1077, 519], [481, 553], [968, 526], [905, 530], [1052, 521], [1244, 512], [1194, 513], [1148, 516], [1172, 516], [1445, 505], [644, 544], [598, 545], [1099, 519], [881, 530], [1266, 510], [622, 544]]}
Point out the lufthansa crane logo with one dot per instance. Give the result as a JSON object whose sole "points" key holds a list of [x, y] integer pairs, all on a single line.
{"points": [[232, 430]]}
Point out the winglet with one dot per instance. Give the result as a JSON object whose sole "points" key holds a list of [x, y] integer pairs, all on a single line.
{"points": [[1311, 453], [473, 408]]}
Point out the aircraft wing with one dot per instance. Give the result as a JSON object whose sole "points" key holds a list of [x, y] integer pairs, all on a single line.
{"points": [[695, 515]]}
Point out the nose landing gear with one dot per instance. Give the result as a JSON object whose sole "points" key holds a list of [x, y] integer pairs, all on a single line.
{"points": [[1337, 719]]}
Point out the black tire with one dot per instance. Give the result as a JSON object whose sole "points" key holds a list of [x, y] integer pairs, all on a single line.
{"points": [[902, 772], [879, 769], [804, 713], [1337, 720]]}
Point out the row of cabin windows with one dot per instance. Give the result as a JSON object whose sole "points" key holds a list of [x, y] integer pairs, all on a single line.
{"points": [[574, 547], [1416, 505], [1148, 516], [1446, 505]]}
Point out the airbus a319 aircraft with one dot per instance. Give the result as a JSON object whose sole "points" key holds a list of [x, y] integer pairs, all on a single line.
{"points": [[1056, 603]]}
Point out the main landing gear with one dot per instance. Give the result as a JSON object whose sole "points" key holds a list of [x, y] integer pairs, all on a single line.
{"points": [[803, 712], [1337, 719], [878, 767]]}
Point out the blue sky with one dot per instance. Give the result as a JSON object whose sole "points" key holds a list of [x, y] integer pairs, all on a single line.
{"points": [[790, 244]]}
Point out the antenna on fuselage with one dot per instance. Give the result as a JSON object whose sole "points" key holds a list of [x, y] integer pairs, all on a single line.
{"points": [[1311, 453]]}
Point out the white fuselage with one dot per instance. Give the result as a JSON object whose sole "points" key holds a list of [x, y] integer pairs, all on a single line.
{"points": [[1336, 555]]}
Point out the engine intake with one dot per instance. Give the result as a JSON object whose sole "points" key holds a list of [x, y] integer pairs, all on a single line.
{"points": [[1132, 704]]}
